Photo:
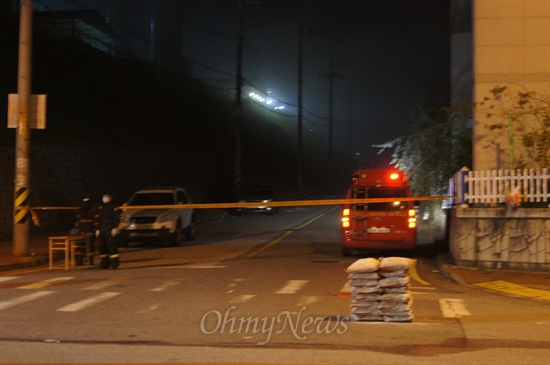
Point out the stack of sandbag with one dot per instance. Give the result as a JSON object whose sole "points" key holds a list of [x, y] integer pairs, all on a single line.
{"points": [[380, 289], [363, 278], [396, 299]]}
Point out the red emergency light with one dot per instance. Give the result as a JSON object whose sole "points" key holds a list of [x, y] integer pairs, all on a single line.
{"points": [[379, 177]]}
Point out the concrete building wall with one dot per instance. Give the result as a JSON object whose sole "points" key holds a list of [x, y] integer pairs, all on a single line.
{"points": [[500, 238], [511, 47]]}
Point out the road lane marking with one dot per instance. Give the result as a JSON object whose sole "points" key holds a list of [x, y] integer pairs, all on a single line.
{"points": [[104, 284], [24, 299], [41, 284], [242, 298], [81, 304], [453, 308], [164, 286], [291, 287], [307, 300], [346, 288], [213, 265], [8, 278], [150, 309], [284, 235], [415, 275], [208, 265], [516, 289]]}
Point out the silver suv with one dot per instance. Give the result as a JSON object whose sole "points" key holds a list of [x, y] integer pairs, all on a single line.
{"points": [[176, 225]]}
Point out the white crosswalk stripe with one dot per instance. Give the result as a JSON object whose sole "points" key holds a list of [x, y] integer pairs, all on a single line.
{"points": [[292, 286], [24, 299], [164, 286], [41, 284], [104, 284], [81, 304], [308, 300], [242, 298], [453, 308]]}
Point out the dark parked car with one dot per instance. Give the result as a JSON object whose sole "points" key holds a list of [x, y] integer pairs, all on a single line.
{"points": [[258, 194]]}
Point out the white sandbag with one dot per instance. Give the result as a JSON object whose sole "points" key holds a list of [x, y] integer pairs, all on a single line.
{"points": [[366, 318], [364, 265], [402, 298], [392, 274], [400, 318], [363, 290], [366, 311], [394, 282], [395, 263], [366, 298], [364, 275], [363, 282], [397, 290], [394, 307]]}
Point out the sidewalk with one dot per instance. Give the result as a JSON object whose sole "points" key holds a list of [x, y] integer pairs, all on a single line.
{"points": [[532, 285], [526, 284], [37, 255]]}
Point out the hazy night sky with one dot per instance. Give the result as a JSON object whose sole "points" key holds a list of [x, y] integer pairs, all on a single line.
{"points": [[384, 52]]}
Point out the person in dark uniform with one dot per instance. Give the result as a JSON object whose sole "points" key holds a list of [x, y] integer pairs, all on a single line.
{"points": [[85, 217], [107, 218]]}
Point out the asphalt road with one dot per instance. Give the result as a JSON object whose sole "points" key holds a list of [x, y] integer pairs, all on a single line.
{"points": [[255, 289]]}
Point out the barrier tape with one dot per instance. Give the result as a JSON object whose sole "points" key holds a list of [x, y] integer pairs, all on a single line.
{"points": [[290, 203]]}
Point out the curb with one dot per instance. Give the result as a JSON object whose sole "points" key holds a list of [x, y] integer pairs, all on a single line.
{"points": [[42, 259], [32, 261], [444, 263]]}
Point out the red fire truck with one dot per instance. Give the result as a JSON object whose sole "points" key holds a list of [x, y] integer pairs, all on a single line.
{"points": [[389, 223]]}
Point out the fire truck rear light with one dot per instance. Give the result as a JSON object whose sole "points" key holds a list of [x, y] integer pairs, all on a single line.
{"points": [[345, 212], [394, 176], [345, 222], [412, 213], [412, 222]]}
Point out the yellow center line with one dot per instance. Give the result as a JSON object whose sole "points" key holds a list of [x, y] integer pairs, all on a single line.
{"points": [[283, 236]]}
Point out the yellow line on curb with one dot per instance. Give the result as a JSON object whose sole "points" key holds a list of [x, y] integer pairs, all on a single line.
{"points": [[516, 289], [415, 275]]}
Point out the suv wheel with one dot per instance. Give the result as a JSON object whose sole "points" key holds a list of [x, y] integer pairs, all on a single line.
{"points": [[178, 235], [189, 231]]}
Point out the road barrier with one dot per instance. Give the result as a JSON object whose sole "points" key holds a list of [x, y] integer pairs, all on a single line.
{"points": [[289, 203]]}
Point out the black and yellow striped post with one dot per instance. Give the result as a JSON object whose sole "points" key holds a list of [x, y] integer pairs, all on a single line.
{"points": [[21, 210]]}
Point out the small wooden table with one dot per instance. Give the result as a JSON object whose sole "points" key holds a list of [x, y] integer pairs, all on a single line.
{"points": [[68, 245]]}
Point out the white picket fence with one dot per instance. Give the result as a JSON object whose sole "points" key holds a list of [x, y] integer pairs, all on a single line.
{"points": [[474, 187]]}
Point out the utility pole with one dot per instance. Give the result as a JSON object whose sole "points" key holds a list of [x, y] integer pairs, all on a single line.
{"points": [[21, 211], [330, 76], [299, 135], [237, 122], [238, 107], [300, 178]]}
